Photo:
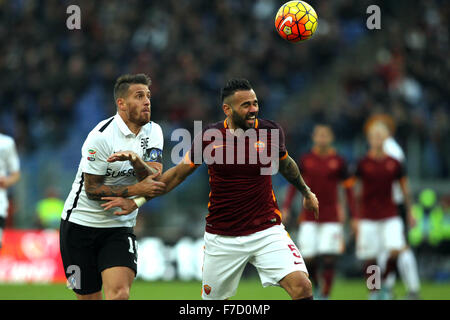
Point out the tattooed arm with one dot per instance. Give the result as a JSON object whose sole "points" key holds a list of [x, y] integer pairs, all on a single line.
{"points": [[96, 189], [290, 171]]}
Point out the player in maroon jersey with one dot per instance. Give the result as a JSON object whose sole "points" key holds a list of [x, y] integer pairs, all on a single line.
{"points": [[322, 241], [379, 227], [244, 221]]}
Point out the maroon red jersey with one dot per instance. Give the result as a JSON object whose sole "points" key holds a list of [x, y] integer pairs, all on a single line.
{"points": [[241, 200], [377, 176], [322, 173]]}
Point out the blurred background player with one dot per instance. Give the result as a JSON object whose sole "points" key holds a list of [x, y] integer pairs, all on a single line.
{"points": [[406, 263], [322, 241], [244, 222], [100, 243], [49, 210], [9, 175], [379, 227]]}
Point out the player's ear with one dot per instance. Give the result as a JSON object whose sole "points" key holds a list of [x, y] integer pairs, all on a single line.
{"points": [[226, 109], [120, 102]]}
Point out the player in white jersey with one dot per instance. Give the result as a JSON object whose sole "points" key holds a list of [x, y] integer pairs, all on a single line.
{"points": [[9, 175], [406, 262], [120, 157]]}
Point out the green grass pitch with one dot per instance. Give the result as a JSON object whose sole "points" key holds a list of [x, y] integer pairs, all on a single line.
{"points": [[249, 289]]}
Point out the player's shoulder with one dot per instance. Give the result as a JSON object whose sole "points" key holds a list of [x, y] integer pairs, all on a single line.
{"points": [[392, 160], [101, 133], [268, 124], [215, 125], [339, 157], [152, 128], [6, 140], [104, 127]]}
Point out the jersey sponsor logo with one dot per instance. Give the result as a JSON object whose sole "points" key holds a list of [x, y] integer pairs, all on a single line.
{"points": [[207, 289], [122, 173]]}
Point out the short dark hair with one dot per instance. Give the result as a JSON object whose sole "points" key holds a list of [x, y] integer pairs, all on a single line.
{"points": [[124, 82], [233, 85]]}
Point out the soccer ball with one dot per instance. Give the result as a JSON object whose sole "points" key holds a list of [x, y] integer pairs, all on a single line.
{"points": [[296, 21]]}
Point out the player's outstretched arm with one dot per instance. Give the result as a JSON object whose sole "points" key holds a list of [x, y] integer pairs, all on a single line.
{"points": [[141, 168], [96, 189], [171, 178], [290, 171], [407, 200]]}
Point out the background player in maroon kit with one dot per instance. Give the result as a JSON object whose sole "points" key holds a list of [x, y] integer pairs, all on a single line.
{"points": [[379, 227], [244, 222], [322, 240]]}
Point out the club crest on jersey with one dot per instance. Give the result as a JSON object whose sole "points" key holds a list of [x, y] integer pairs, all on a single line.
{"points": [[207, 289], [153, 155], [259, 146]]}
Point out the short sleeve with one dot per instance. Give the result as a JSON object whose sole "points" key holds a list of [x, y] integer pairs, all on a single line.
{"points": [[94, 153], [158, 136], [281, 142], [13, 162], [155, 150]]}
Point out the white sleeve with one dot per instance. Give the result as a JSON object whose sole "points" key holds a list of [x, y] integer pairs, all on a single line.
{"points": [[94, 153], [154, 151], [13, 162], [393, 149], [159, 138]]}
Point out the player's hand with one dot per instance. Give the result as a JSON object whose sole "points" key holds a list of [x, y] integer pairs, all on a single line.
{"points": [[152, 188], [311, 203], [123, 156], [127, 205]]}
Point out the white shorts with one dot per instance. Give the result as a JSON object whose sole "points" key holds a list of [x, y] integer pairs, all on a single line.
{"points": [[376, 236], [271, 251], [320, 238]]}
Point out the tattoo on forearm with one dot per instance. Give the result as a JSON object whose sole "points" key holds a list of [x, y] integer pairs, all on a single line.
{"points": [[99, 191], [95, 189], [291, 172]]}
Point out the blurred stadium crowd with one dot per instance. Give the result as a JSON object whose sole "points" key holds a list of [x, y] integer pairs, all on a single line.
{"points": [[57, 83]]}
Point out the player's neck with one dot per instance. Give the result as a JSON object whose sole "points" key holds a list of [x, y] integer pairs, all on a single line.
{"points": [[322, 150], [231, 126], [135, 128], [377, 153]]}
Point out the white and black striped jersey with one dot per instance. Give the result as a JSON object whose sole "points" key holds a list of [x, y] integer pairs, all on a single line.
{"points": [[110, 136], [9, 163]]}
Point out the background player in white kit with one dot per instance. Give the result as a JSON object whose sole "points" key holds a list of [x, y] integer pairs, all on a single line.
{"points": [[9, 175], [120, 157], [406, 263]]}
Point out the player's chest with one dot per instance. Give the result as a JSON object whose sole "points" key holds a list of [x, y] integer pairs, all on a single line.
{"points": [[317, 167], [240, 156], [124, 169], [374, 171]]}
